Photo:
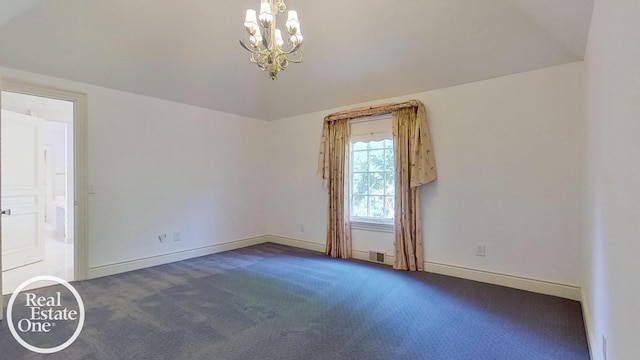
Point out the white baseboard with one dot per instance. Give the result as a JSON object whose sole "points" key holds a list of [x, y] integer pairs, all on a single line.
{"points": [[364, 255], [302, 244], [533, 285], [516, 282], [308, 245], [117, 268], [588, 325]]}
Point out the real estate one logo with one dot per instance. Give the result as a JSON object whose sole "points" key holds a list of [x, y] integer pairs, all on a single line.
{"points": [[40, 314]]}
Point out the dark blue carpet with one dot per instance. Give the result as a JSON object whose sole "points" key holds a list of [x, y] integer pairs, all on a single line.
{"points": [[276, 302]]}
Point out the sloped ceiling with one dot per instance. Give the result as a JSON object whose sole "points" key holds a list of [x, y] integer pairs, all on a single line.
{"points": [[358, 50]]}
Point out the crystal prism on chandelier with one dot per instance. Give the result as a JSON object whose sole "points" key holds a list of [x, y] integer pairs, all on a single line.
{"points": [[264, 40]]}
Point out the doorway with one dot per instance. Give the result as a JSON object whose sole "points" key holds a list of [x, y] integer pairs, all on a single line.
{"points": [[37, 186], [66, 217]]}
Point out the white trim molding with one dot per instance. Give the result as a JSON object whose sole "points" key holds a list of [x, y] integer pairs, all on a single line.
{"points": [[372, 226], [364, 255], [137, 264], [517, 282], [302, 244], [308, 245], [586, 314]]}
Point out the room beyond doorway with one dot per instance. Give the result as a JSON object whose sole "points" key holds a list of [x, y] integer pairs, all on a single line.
{"points": [[37, 161]]}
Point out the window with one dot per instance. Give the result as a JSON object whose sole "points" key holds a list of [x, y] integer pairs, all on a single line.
{"points": [[372, 174]]}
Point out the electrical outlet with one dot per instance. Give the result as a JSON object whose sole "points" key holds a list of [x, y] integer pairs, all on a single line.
{"points": [[604, 347], [301, 227], [176, 236], [480, 250], [162, 238]]}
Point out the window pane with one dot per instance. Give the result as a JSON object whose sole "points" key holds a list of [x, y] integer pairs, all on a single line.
{"points": [[359, 206], [359, 185], [388, 160], [376, 160], [372, 179], [390, 185], [359, 145], [376, 144], [376, 183], [359, 161], [389, 207], [376, 206]]}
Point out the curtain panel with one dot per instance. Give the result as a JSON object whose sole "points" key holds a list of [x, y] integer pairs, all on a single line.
{"points": [[414, 166], [333, 163]]}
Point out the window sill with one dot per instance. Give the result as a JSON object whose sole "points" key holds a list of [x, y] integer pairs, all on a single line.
{"points": [[372, 226]]}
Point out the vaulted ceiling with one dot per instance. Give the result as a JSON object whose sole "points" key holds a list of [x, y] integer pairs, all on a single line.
{"points": [[355, 51]]}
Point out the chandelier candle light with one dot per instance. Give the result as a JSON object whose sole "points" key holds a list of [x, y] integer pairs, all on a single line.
{"points": [[264, 41]]}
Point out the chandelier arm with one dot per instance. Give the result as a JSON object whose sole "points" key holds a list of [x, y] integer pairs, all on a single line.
{"points": [[253, 51], [293, 50], [253, 59], [298, 60], [284, 64], [262, 60]]}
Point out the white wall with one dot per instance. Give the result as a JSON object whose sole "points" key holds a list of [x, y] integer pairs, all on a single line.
{"points": [[613, 148], [159, 167], [510, 166], [55, 136]]}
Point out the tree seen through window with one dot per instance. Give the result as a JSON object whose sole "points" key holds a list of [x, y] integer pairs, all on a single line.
{"points": [[372, 180]]}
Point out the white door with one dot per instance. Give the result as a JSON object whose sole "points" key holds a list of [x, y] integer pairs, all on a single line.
{"points": [[23, 189]]}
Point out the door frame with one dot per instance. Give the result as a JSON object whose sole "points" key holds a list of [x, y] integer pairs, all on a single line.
{"points": [[80, 138]]}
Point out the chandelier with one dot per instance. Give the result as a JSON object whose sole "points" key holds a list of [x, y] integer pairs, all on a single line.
{"points": [[264, 41]]}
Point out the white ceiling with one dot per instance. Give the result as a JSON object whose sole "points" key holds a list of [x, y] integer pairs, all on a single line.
{"points": [[355, 51]]}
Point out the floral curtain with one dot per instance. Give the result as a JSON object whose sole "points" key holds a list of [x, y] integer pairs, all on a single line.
{"points": [[332, 164], [414, 166]]}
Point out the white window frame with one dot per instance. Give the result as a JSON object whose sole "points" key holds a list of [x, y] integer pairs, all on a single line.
{"points": [[361, 222]]}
